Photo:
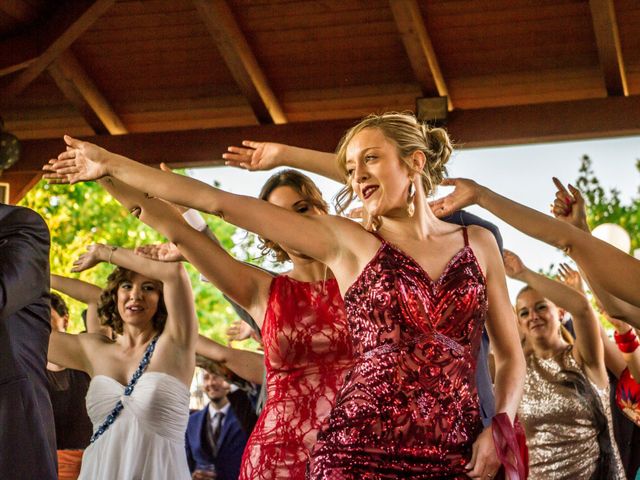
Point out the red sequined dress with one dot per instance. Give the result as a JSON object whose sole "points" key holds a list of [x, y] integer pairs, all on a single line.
{"points": [[409, 406], [307, 352]]}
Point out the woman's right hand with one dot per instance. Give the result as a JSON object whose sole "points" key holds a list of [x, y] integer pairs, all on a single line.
{"points": [[254, 155], [238, 331]]}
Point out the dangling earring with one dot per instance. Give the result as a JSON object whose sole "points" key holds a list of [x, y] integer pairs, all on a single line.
{"points": [[411, 197]]}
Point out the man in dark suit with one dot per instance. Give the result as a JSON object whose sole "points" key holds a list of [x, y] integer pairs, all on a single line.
{"points": [[27, 434], [215, 435]]}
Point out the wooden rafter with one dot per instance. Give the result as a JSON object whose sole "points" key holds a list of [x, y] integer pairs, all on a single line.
{"points": [[547, 122], [419, 47], [78, 87], [240, 59], [605, 28], [78, 22]]}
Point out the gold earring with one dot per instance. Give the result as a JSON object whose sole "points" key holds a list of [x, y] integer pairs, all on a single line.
{"points": [[411, 197]]}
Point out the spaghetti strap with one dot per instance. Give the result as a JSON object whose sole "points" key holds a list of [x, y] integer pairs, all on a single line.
{"points": [[466, 236]]}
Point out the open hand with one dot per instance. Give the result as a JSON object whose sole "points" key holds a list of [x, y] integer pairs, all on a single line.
{"points": [[513, 265], [238, 331], [570, 277], [162, 252], [80, 162], [254, 155], [466, 193], [89, 259], [569, 205]]}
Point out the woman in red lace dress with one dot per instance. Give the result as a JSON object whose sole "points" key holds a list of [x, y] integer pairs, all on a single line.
{"points": [[417, 293]]}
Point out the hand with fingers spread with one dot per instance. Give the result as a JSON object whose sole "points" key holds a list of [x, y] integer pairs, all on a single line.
{"points": [[569, 206], [80, 162], [484, 463], [238, 331], [513, 265], [467, 192], [254, 155], [163, 252], [571, 277], [94, 255]]}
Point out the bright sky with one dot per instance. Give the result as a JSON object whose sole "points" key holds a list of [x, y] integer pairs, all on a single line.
{"points": [[522, 173]]}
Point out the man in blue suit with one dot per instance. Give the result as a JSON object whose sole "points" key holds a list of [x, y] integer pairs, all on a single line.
{"points": [[215, 436]]}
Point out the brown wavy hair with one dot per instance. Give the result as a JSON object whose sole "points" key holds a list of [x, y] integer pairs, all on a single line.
{"points": [[307, 190], [409, 135], [108, 304]]}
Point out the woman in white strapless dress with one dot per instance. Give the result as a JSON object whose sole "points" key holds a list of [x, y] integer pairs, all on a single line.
{"points": [[149, 304]]}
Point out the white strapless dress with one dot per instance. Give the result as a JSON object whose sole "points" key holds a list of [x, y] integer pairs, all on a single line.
{"points": [[147, 440]]}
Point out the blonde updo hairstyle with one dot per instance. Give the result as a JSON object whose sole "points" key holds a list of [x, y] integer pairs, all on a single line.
{"points": [[408, 134]]}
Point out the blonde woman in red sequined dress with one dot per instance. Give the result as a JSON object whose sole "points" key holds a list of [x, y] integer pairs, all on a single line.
{"points": [[417, 292]]}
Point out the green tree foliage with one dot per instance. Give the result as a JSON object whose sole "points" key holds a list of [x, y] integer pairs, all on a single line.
{"points": [[82, 214], [606, 206]]}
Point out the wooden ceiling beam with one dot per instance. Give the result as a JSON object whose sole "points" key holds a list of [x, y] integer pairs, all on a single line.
{"points": [[556, 121], [80, 15], [19, 184], [419, 47], [605, 28], [240, 60], [78, 87]]}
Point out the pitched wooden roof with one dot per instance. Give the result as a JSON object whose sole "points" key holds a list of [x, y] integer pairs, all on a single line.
{"points": [[513, 70]]}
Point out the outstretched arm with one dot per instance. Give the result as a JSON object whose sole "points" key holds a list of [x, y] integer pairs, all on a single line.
{"points": [[84, 161], [620, 273], [245, 364], [267, 155], [84, 292], [246, 285], [588, 343]]}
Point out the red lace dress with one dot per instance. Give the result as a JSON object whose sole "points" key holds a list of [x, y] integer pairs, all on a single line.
{"points": [[307, 352], [409, 406]]}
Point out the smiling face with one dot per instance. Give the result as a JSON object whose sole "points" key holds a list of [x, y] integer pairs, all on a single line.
{"points": [[138, 297], [376, 173], [538, 318], [215, 386]]}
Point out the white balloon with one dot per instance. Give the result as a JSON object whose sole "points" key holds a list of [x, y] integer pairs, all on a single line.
{"points": [[614, 235]]}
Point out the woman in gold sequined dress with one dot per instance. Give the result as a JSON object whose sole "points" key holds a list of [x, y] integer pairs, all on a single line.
{"points": [[565, 407]]}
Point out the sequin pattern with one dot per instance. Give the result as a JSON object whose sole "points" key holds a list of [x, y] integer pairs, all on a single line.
{"points": [[559, 421], [409, 407], [307, 352]]}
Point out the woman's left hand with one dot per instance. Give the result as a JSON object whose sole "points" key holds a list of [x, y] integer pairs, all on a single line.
{"points": [[89, 259], [484, 462]]}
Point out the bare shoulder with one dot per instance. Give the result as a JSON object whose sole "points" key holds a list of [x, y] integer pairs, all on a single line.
{"points": [[484, 246]]}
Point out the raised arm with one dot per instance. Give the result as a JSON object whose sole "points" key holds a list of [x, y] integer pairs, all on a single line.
{"points": [[620, 272], [84, 292], [569, 207], [246, 285], [588, 344], [182, 323], [311, 235], [267, 155], [245, 364]]}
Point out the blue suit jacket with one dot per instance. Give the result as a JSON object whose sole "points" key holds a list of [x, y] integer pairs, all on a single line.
{"points": [[231, 444]]}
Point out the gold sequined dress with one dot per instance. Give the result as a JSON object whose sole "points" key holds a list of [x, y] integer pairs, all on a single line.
{"points": [[567, 421]]}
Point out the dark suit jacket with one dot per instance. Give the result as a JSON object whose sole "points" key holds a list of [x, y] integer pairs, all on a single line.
{"points": [[231, 444], [27, 434]]}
